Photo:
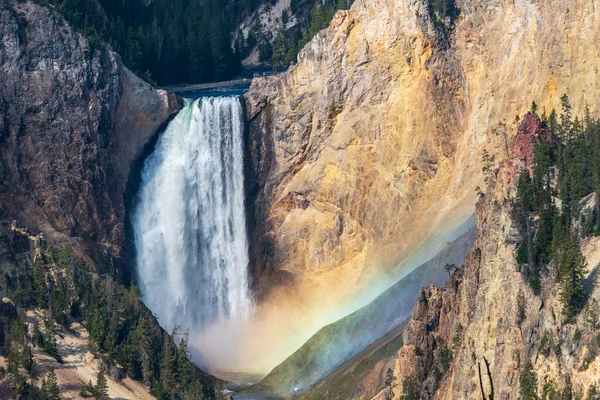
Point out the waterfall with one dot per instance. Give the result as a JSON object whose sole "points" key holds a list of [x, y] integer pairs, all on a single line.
{"points": [[189, 219]]}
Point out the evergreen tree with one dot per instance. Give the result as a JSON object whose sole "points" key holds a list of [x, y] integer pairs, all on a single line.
{"points": [[51, 387], [168, 368], [185, 368], [572, 270], [101, 387], [194, 391], [525, 191], [593, 393], [528, 383], [39, 283], [534, 107], [97, 324], [389, 384]]}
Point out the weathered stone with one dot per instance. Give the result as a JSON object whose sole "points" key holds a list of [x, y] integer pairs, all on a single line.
{"points": [[383, 122], [73, 121]]}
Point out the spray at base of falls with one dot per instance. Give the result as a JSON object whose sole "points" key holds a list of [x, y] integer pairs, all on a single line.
{"points": [[192, 258], [189, 219]]}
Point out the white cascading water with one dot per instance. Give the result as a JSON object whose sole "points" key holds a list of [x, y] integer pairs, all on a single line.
{"points": [[189, 220]]}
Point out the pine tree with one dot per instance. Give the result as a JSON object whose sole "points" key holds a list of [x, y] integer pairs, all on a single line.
{"points": [[389, 384], [39, 284], [525, 191], [28, 362], [97, 324], [572, 271], [528, 387], [52, 391], [543, 238], [38, 338], [194, 391], [101, 387], [184, 365], [592, 315], [168, 368], [593, 393]]}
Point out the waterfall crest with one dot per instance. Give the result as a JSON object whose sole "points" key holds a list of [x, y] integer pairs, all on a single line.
{"points": [[189, 219]]}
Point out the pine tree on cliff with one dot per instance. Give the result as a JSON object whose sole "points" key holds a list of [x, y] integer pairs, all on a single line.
{"points": [[572, 270], [39, 284], [50, 387], [101, 388], [528, 383], [168, 368], [195, 391]]}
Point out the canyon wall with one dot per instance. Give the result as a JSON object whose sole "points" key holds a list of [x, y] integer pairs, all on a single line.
{"points": [[74, 120], [370, 147], [467, 323]]}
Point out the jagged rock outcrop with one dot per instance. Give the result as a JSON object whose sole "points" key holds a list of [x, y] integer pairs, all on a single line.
{"points": [[73, 121], [487, 313], [371, 145]]}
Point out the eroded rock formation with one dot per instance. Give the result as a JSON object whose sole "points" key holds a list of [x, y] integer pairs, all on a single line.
{"points": [[371, 145], [475, 318], [74, 120]]}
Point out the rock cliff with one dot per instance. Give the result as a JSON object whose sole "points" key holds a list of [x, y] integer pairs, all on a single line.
{"points": [[345, 338], [371, 145], [487, 313], [74, 120], [73, 123]]}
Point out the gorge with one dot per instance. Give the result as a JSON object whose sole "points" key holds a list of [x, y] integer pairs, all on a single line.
{"points": [[290, 230]]}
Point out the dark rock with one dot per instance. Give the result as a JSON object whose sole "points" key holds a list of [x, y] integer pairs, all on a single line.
{"points": [[73, 120]]}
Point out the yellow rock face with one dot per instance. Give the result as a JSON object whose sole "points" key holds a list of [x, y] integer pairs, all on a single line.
{"points": [[371, 145]]}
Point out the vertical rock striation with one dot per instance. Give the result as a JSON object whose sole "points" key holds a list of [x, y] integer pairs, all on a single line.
{"points": [[371, 145], [73, 121], [474, 318]]}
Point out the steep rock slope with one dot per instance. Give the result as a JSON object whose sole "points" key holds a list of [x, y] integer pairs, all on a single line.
{"points": [[476, 317], [370, 146], [343, 339], [364, 375], [74, 120]]}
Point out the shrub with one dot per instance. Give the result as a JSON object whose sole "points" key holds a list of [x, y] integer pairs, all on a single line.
{"points": [[546, 344]]}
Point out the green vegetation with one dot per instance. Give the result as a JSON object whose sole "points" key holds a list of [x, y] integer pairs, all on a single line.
{"points": [[169, 41], [546, 344], [550, 391], [593, 349], [591, 315], [389, 384], [411, 387], [64, 288], [528, 383], [443, 9], [593, 393], [566, 167], [50, 390], [521, 307], [100, 391], [286, 46], [443, 13], [187, 41]]}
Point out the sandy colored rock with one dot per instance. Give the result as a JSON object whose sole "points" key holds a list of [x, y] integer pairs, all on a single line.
{"points": [[475, 315], [371, 146]]}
